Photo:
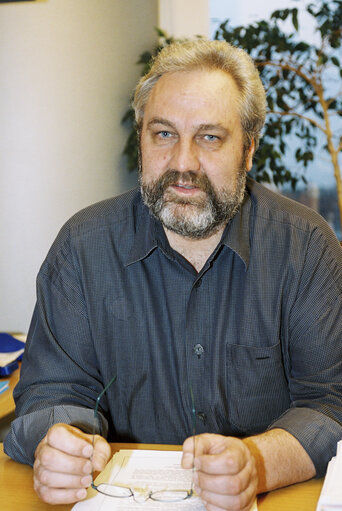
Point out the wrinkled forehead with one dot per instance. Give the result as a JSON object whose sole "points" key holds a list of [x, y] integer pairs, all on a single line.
{"points": [[210, 96]]}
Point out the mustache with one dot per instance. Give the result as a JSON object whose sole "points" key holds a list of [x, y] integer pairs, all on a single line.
{"points": [[173, 177]]}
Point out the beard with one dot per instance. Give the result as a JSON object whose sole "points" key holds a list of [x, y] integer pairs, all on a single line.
{"points": [[197, 217]]}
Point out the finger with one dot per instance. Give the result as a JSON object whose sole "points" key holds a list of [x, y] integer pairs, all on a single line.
{"points": [[207, 443], [58, 461], [212, 507], [231, 461], [101, 454], [242, 501], [214, 502], [199, 445], [220, 455], [189, 448], [60, 496], [70, 440], [60, 480], [225, 484]]}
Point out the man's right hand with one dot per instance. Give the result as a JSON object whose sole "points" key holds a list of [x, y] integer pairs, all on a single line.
{"points": [[64, 461]]}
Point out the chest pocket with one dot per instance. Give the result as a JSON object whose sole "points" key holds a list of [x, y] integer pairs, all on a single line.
{"points": [[257, 388]]}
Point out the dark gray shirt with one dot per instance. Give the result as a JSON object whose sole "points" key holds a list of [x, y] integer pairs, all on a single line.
{"points": [[256, 334]]}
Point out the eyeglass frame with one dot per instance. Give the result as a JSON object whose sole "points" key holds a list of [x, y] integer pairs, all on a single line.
{"points": [[148, 494]]}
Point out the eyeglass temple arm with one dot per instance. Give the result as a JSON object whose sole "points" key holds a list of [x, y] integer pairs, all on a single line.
{"points": [[101, 394]]}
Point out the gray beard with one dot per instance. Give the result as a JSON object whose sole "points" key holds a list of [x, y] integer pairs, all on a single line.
{"points": [[192, 217]]}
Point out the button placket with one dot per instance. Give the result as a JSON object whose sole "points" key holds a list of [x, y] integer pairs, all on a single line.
{"points": [[197, 337]]}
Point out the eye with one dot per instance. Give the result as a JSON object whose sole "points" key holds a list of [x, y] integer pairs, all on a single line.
{"points": [[164, 134], [211, 138]]}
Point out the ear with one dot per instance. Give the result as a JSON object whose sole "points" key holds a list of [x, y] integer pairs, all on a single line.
{"points": [[249, 157]]}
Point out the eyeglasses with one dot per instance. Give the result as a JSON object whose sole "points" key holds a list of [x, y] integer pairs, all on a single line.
{"points": [[120, 491]]}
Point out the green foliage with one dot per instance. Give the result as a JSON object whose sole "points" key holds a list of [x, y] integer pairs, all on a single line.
{"points": [[295, 75]]}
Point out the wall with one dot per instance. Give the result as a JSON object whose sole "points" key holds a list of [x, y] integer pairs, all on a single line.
{"points": [[184, 18], [67, 69]]}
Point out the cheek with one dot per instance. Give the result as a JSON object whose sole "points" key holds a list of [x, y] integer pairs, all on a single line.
{"points": [[154, 159], [153, 165], [218, 168]]}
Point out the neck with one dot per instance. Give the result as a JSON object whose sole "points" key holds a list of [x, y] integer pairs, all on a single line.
{"points": [[196, 251]]}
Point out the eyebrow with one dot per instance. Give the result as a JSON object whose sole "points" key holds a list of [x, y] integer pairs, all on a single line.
{"points": [[201, 127], [160, 120], [211, 127]]}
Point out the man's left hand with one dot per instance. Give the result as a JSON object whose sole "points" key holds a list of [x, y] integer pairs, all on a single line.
{"points": [[226, 475]]}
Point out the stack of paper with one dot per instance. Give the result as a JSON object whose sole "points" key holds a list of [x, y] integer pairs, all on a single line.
{"points": [[11, 350], [155, 470], [331, 494]]}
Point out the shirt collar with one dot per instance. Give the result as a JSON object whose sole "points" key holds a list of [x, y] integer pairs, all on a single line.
{"points": [[149, 234], [236, 234], [144, 239]]}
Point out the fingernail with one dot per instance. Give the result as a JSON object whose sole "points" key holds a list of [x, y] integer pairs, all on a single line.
{"points": [[86, 481], [81, 494], [87, 451]]}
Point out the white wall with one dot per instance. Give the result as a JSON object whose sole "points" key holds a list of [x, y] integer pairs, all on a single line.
{"points": [[184, 18], [67, 68]]}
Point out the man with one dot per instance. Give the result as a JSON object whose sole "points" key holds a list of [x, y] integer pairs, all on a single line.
{"points": [[201, 291]]}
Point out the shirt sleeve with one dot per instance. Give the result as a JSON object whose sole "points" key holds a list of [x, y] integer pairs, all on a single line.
{"points": [[28, 430], [59, 380], [314, 339]]}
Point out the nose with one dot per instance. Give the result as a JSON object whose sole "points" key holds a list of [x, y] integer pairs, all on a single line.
{"points": [[185, 156]]}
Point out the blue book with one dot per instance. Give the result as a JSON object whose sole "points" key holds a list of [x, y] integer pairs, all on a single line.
{"points": [[8, 344], [11, 350]]}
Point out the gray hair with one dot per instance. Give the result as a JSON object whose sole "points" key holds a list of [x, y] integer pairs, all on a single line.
{"points": [[205, 54]]}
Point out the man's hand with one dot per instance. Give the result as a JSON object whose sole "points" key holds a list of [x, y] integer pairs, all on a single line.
{"points": [[226, 475], [62, 467]]}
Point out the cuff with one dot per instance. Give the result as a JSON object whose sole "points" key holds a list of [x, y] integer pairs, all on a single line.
{"points": [[317, 433], [28, 430]]}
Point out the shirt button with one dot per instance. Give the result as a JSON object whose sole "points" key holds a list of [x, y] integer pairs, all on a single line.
{"points": [[202, 416], [198, 283], [198, 350]]}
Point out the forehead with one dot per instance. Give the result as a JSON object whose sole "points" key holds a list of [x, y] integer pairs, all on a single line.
{"points": [[206, 96]]}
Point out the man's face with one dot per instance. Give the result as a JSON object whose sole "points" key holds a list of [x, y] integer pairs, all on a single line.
{"points": [[192, 163]]}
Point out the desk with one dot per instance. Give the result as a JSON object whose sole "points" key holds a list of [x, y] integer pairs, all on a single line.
{"points": [[17, 492]]}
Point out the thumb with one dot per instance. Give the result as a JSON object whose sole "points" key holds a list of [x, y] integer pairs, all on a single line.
{"points": [[101, 453], [70, 440]]}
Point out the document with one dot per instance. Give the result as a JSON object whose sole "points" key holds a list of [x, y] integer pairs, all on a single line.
{"points": [[7, 358], [331, 494], [143, 470]]}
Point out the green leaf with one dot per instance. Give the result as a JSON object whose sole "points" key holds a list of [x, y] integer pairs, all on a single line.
{"points": [[335, 61], [160, 32], [128, 116], [295, 19]]}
